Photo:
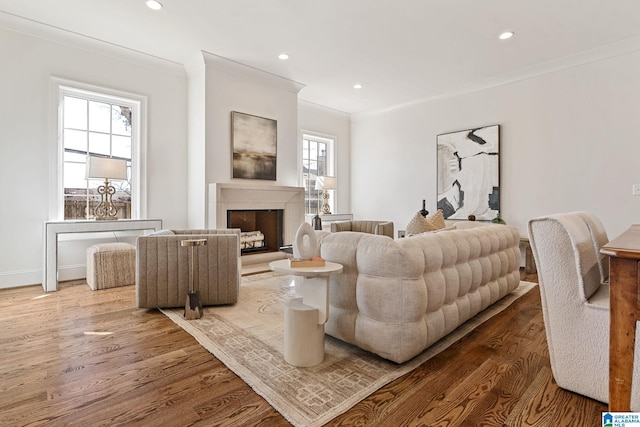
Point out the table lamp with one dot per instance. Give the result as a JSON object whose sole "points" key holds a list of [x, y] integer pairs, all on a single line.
{"points": [[325, 183], [106, 168]]}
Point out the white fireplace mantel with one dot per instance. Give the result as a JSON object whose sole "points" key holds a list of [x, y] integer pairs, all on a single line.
{"points": [[232, 196]]}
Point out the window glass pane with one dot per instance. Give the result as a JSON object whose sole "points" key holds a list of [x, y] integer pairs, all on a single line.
{"points": [[99, 143], [70, 156], [75, 140], [75, 113], [121, 147], [313, 150], [99, 117], [74, 174], [121, 120], [322, 170]]}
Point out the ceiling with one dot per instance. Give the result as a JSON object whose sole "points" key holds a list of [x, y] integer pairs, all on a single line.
{"points": [[401, 51]]}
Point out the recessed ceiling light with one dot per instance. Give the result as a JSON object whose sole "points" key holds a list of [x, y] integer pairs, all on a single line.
{"points": [[154, 4], [506, 35], [283, 56], [357, 86]]}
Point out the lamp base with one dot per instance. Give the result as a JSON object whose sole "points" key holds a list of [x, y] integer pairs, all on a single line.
{"points": [[106, 210], [326, 209]]}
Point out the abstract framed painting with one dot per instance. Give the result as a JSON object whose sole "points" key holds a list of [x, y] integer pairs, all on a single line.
{"points": [[254, 143], [469, 173]]}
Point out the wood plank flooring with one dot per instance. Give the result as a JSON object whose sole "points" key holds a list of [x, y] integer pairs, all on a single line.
{"points": [[78, 357]]}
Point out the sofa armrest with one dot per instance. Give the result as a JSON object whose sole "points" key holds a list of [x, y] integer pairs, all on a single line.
{"points": [[385, 229], [340, 226]]}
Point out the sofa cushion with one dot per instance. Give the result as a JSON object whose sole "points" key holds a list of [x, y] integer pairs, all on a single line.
{"points": [[417, 225], [420, 224], [436, 220]]}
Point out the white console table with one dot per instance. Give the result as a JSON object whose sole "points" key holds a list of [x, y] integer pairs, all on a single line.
{"points": [[53, 228]]}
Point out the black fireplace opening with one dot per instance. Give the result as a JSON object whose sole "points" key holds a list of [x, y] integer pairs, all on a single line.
{"points": [[261, 230]]}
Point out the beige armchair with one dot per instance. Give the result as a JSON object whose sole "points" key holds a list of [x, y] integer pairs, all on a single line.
{"points": [[162, 268], [574, 289], [383, 228]]}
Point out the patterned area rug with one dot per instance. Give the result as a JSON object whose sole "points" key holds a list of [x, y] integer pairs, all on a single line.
{"points": [[248, 339]]}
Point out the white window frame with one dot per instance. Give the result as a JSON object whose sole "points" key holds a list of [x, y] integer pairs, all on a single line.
{"points": [[61, 88], [330, 140]]}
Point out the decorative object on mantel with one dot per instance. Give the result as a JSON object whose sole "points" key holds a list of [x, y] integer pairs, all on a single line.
{"points": [[468, 173], [254, 143], [424, 212], [106, 168], [325, 183], [471, 217], [193, 305], [305, 242]]}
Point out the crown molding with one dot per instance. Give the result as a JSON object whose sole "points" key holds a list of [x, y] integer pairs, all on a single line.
{"points": [[236, 68], [598, 54], [58, 35]]}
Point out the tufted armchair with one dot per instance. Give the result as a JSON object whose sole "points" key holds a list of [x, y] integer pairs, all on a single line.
{"points": [[574, 289], [383, 228], [162, 268]]}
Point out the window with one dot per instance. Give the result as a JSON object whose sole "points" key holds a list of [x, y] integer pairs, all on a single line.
{"points": [[101, 125], [317, 160]]}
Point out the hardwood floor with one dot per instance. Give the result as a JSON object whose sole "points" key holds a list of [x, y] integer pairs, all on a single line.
{"points": [[79, 357]]}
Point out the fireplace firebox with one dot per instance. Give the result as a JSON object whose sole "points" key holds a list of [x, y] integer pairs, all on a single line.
{"points": [[262, 230]]}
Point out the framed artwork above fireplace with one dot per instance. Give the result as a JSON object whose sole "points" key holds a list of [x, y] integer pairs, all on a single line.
{"points": [[254, 142]]}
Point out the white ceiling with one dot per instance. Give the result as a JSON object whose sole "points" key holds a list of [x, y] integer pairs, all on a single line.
{"points": [[399, 50]]}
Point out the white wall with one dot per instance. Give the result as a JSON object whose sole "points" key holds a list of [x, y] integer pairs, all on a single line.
{"points": [[569, 141], [325, 121], [27, 134]]}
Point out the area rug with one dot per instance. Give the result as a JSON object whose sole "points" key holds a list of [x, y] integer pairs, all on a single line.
{"points": [[248, 338]]}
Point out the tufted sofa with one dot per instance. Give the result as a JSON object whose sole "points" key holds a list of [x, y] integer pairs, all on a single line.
{"points": [[396, 298]]}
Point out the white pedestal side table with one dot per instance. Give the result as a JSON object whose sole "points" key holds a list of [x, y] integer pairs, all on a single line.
{"points": [[305, 315]]}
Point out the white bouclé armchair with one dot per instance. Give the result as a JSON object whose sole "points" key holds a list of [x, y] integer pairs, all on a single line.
{"points": [[574, 289]]}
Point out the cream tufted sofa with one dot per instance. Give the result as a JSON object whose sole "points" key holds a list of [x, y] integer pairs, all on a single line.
{"points": [[396, 298]]}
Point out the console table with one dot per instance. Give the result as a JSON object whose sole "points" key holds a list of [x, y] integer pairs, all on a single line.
{"points": [[53, 228], [624, 285]]}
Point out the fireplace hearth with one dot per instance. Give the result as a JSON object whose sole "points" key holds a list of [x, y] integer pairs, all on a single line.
{"points": [[261, 230]]}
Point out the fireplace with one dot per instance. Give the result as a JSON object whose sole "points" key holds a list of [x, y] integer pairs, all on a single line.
{"points": [[261, 230], [224, 197]]}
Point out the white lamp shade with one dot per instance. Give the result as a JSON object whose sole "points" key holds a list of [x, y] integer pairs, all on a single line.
{"points": [[326, 183], [106, 167]]}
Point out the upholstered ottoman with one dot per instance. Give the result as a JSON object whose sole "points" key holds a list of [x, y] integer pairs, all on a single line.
{"points": [[110, 265]]}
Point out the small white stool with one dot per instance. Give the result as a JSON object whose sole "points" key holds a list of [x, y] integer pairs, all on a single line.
{"points": [[303, 336], [110, 265]]}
